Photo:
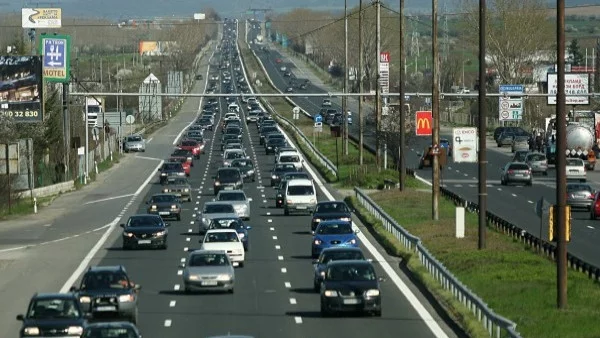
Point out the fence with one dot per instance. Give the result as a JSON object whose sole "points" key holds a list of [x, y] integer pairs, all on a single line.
{"points": [[496, 325]]}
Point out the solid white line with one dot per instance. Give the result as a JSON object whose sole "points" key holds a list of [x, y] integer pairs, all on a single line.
{"points": [[150, 140], [141, 188], [590, 227], [172, 303], [108, 199], [168, 323], [148, 158], [298, 320], [514, 195]]}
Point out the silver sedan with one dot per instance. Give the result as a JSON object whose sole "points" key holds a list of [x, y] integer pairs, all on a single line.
{"points": [[239, 200], [208, 270]]}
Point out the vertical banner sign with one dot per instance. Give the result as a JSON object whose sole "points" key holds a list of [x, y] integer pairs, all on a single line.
{"points": [[511, 107], [423, 123], [21, 88], [575, 84], [55, 51], [384, 72], [464, 145]]}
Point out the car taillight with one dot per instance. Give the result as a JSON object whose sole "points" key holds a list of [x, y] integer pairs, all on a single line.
{"points": [[591, 196], [511, 172]]}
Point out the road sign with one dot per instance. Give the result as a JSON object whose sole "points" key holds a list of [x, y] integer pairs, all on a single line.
{"points": [[575, 83], [464, 145], [56, 57], [318, 127], [41, 17], [130, 119], [424, 123], [542, 207], [318, 118], [296, 113], [511, 107], [384, 72]]}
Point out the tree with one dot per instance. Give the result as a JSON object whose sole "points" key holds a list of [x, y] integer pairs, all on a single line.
{"points": [[575, 52], [518, 35]]}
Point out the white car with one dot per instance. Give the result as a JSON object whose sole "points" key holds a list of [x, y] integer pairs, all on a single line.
{"points": [[227, 240], [231, 116], [326, 103], [576, 169], [234, 107], [290, 157]]}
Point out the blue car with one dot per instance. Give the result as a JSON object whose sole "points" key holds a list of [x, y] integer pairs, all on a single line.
{"points": [[335, 233], [233, 223], [334, 254], [445, 143]]}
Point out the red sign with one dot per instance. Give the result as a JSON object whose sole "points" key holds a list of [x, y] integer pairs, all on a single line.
{"points": [[384, 57], [424, 123]]}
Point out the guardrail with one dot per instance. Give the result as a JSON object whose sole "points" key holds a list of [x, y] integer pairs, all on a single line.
{"points": [[496, 325]]}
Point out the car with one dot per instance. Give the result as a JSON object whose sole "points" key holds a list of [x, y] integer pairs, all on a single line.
{"points": [[170, 169], [333, 233], [239, 200], [520, 156], [165, 206], [49, 313], [350, 286], [108, 291], [227, 240], [326, 103], [520, 142], [205, 123], [264, 131], [595, 208], [134, 143], [580, 195], [270, 136], [273, 144], [232, 154], [233, 223], [576, 169], [187, 167], [330, 255], [208, 270], [505, 139], [516, 172], [212, 210], [445, 144], [180, 187], [111, 330], [279, 170], [197, 136], [246, 167], [184, 153], [292, 158], [252, 116], [300, 196], [330, 210], [194, 146], [228, 179], [143, 231], [537, 162]]}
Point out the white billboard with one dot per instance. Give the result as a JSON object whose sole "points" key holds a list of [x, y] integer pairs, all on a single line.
{"points": [[199, 16], [575, 84], [41, 17], [464, 145]]}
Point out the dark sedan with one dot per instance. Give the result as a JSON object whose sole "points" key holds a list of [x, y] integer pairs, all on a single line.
{"points": [[145, 231], [280, 170], [184, 153], [246, 167], [330, 255], [111, 330], [350, 286], [273, 145], [170, 169], [165, 206], [580, 195], [52, 313], [330, 210]]}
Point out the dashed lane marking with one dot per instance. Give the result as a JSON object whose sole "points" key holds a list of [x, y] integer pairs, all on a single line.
{"points": [[530, 202], [176, 287], [283, 270], [514, 195], [172, 303], [269, 221], [277, 247], [168, 323], [298, 320], [179, 272], [293, 301], [188, 239], [288, 285], [272, 229], [275, 237], [280, 258]]}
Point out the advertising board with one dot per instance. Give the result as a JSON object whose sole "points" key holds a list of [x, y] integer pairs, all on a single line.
{"points": [[575, 84], [21, 88], [464, 145]]}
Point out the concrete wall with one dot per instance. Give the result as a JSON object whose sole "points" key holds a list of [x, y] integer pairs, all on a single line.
{"points": [[49, 190]]}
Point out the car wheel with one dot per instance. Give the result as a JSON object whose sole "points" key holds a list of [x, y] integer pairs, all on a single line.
{"points": [[134, 317], [324, 310], [143, 150], [530, 183], [165, 246], [241, 264], [592, 214], [179, 217], [377, 313], [230, 290], [125, 246]]}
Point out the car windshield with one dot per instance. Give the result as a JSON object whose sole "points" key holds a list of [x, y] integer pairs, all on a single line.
{"points": [[284, 167], [219, 237], [351, 272], [232, 196], [335, 229], [537, 157], [181, 152], [105, 280], [134, 139], [341, 256], [579, 187], [178, 181], [573, 162], [229, 174], [331, 207], [227, 223], [163, 199], [109, 332], [178, 159], [218, 209], [53, 308], [289, 158], [300, 190], [520, 156], [242, 164], [233, 155], [208, 259], [189, 143], [144, 221]]}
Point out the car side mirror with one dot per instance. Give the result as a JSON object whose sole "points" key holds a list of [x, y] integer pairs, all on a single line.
{"points": [[72, 289], [248, 227], [20, 317]]}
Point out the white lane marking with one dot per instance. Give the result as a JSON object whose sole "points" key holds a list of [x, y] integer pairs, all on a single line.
{"points": [[530, 202], [193, 215], [293, 301], [499, 189], [172, 303], [272, 229], [107, 199], [195, 208], [474, 177], [197, 202], [590, 227], [283, 270], [148, 158], [514, 195], [179, 272], [185, 249], [182, 260], [168, 323], [275, 237], [280, 258], [298, 320], [191, 222], [176, 287], [150, 140], [47, 225], [269, 221], [288, 285], [190, 230], [264, 201], [188, 239], [457, 170], [277, 247]]}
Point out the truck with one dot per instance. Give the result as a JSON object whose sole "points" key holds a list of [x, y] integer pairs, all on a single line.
{"points": [[95, 108], [582, 134]]}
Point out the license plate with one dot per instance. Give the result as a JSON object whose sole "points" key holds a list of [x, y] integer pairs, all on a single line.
{"points": [[573, 171], [106, 308], [351, 301], [162, 213], [228, 188], [144, 241], [209, 282], [518, 175], [299, 207]]}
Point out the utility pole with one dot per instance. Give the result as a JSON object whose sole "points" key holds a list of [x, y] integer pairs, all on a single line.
{"points": [[482, 127], [378, 87], [402, 143], [359, 74], [435, 111], [66, 129], [345, 98], [561, 147], [597, 67]]}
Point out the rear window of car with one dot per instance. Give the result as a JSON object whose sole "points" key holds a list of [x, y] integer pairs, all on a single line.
{"points": [[229, 174], [574, 162], [536, 157], [189, 143], [134, 138], [579, 187], [301, 190], [518, 166]]}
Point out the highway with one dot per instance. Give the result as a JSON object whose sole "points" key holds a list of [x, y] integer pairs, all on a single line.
{"points": [[273, 295], [513, 203]]}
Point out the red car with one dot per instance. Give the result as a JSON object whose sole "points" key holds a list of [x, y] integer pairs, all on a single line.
{"points": [[278, 60], [192, 146], [187, 167]]}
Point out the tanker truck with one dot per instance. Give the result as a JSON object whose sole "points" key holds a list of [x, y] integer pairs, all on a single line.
{"points": [[580, 138]]}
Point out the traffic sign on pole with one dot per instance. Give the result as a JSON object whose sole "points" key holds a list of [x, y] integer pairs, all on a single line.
{"points": [[56, 63], [296, 113], [318, 118]]}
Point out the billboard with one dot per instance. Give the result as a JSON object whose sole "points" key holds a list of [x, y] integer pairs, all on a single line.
{"points": [[56, 61], [41, 17], [423, 123], [575, 83], [21, 88], [464, 145], [153, 48]]}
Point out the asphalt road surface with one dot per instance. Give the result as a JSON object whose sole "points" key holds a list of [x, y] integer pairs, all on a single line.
{"points": [[513, 203]]}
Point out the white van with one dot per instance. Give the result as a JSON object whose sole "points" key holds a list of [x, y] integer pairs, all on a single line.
{"points": [[234, 107], [300, 196], [291, 157]]}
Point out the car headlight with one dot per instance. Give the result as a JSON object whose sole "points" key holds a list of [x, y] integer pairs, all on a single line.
{"points": [[32, 331], [331, 293], [372, 293], [193, 277], [165, 190], [251, 171], [75, 330], [153, 207], [85, 300], [241, 235], [217, 183], [163, 174], [127, 234], [353, 241], [126, 298], [186, 190], [316, 220], [346, 219], [161, 233], [173, 206], [223, 277], [274, 177], [318, 242], [322, 274]]}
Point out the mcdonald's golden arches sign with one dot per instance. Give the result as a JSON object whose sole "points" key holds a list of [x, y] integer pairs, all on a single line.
{"points": [[423, 123]]}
